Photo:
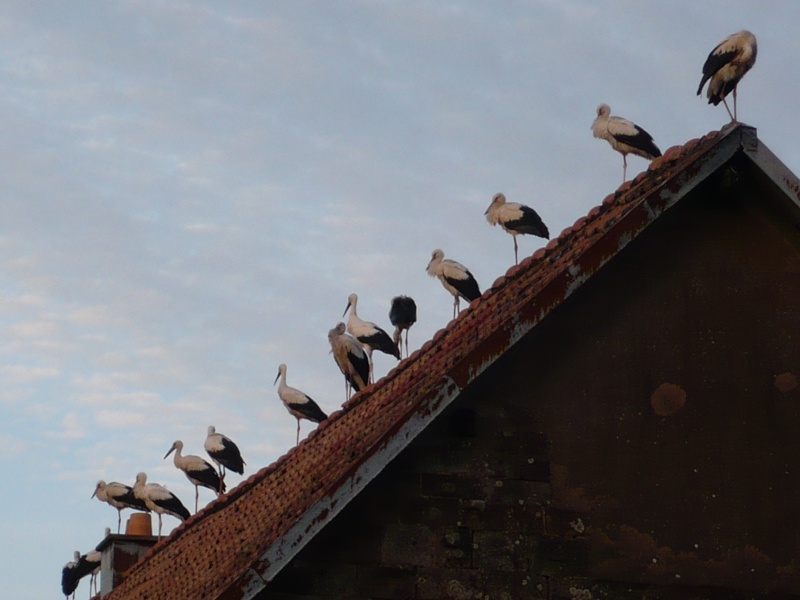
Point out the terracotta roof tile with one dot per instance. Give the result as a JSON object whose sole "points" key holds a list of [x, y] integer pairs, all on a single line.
{"points": [[259, 524]]}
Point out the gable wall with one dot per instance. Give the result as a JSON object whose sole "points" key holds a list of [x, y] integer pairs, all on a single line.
{"points": [[641, 442]]}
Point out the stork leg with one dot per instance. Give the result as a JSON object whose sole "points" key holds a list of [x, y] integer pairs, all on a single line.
{"points": [[159, 526], [732, 115], [298, 433], [406, 343], [119, 519], [516, 258], [196, 497], [624, 168]]}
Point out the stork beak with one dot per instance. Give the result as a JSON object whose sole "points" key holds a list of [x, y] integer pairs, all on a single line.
{"points": [[277, 377], [170, 451], [94, 493], [346, 309]]}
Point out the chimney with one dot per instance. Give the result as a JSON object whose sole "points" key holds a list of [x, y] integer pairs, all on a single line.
{"points": [[121, 552]]}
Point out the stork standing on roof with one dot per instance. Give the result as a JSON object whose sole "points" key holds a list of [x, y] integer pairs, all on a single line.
{"points": [[455, 278], [197, 470], [224, 452], [402, 314], [516, 219], [159, 499], [351, 359], [299, 404], [119, 496], [79, 567], [369, 334], [69, 579], [624, 136], [726, 65]]}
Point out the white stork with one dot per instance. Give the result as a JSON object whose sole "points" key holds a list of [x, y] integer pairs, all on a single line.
{"points": [[516, 219], [455, 278], [299, 404], [79, 567], [197, 470], [69, 578], [726, 65], [402, 314], [369, 334], [119, 496], [624, 136], [159, 499], [224, 452], [350, 357]]}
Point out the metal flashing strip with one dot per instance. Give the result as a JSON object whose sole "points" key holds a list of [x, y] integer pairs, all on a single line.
{"points": [[285, 548]]}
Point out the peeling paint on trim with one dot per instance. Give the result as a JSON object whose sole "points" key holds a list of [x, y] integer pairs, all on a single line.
{"points": [[321, 513]]}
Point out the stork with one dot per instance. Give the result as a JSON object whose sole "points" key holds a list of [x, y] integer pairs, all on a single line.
{"points": [[369, 334], [159, 499], [351, 359], [726, 65], [79, 567], [402, 314], [516, 219], [197, 470], [455, 278], [119, 496], [69, 578], [299, 404], [224, 452], [624, 136]]}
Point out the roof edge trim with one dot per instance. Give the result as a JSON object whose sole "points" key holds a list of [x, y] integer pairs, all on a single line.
{"points": [[281, 552]]}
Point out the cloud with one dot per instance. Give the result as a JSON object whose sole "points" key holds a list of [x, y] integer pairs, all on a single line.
{"points": [[22, 374]]}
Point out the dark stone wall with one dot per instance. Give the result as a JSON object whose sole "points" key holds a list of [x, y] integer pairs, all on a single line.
{"points": [[642, 442]]}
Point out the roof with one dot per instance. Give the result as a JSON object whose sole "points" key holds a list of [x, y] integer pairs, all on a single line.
{"points": [[236, 545]]}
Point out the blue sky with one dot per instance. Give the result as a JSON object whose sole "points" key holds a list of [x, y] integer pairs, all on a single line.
{"points": [[190, 191]]}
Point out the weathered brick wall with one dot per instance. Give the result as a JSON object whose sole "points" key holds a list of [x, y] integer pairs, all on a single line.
{"points": [[456, 515]]}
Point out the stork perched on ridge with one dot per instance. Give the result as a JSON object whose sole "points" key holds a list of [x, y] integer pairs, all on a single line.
{"points": [[455, 278], [79, 567], [119, 496], [299, 404], [69, 579], [351, 359], [224, 452], [159, 499], [516, 219], [726, 65], [197, 470], [369, 334], [624, 136], [402, 314]]}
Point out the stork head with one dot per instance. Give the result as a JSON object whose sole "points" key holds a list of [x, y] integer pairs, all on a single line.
{"points": [[98, 488], [176, 445], [436, 257], [498, 200], [352, 299], [281, 371]]}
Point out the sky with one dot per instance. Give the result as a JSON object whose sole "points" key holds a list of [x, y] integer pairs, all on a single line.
{"points": [[189, 191]]}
